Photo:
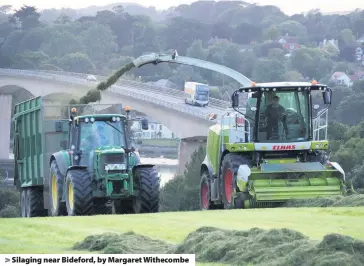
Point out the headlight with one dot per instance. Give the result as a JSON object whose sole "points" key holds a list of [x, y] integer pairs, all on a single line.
{"points": [[114, 119], [87, 120], [110, 167], [118, 119], [92, 119]]}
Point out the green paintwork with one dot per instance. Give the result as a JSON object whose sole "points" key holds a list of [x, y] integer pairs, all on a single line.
{"points": [[41, 139], [278, 185], [36, 139]]}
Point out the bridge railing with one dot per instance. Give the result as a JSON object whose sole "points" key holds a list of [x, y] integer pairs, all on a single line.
{"points": [[215, 103], [124, 87]]}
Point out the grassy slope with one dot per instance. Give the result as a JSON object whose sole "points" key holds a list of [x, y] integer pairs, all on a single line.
{"points": [[57, 235]]}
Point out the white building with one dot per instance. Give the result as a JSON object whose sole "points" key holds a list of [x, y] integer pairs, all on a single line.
{"points": [[341, 78], [156, 130]]}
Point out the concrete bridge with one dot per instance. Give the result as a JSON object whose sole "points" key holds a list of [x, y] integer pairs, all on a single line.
{"points": [[189, 123]]}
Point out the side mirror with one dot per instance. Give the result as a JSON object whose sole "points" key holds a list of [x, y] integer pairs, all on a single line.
{"points": [[235, 100], [327, 97], [145, 125]]}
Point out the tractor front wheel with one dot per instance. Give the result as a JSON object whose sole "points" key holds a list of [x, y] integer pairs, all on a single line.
{"points": [[148, 184], [79, 199], [57, 208]]}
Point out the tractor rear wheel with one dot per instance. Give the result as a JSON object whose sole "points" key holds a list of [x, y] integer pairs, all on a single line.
{"points": [[148, 184], [79, 200], [57, 208], [229, 169], [35, 206]]}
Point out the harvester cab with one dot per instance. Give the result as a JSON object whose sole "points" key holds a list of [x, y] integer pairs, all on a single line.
{"points": [[270, 149]]}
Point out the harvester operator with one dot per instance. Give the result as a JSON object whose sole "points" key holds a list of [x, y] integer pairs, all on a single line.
{"points": [[275, 113]]}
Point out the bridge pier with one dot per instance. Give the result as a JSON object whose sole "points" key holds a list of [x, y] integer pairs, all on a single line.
{"points": [[6, 101], [188, 146]]}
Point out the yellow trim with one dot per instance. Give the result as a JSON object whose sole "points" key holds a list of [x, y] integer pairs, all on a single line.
{"points": [[70, 195], [322, 145], [234, 147], [54, 192]]}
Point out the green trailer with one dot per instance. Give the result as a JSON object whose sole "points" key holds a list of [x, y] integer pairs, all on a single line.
{"points": [[79, 160]]}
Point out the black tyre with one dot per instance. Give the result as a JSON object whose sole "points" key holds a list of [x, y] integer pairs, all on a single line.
{"points": [[101, 206], [57, 208], [126, 206], [35, 206], [23, 202], [149, 186], [79, 199], [229, 168]]}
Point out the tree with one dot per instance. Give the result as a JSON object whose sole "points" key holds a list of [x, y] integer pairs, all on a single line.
{"points": [[352, 105], [77, 62], [347, 37], [293, 75], [311, 62], [272, 33], [62, 43], [267, 70], [292, 28], [100, 42], [26, 17]]}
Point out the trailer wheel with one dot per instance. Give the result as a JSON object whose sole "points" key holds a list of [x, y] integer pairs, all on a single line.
{"points": [[35, 205], [79, 199], [147, 182], [229, 168], [57, 208], [23, 202]]}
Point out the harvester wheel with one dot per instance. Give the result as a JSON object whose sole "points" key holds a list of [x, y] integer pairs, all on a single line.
{"points": [[23, 202], [34, 206], [147, 181], [229, 168], [205, 194], [79, 199], [57, 208]]}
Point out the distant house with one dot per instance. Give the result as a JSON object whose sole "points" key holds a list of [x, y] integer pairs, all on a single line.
{"points": [[289, 43], [326, 42], [359, 54], [156, 130], [359, 75], [361, 40], [341, 78]]}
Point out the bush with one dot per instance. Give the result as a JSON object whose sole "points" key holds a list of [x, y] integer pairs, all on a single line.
{"points": [[182, 192], [9, 203]]}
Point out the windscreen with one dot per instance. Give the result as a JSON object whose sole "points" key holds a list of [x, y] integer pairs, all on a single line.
{"points": [[202, 92], [101, 134], [284, 116]]}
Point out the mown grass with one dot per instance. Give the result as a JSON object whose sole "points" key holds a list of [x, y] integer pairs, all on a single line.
{"points": [[58, 235]]}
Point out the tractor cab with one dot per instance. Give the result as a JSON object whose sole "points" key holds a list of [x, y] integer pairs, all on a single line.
{"points": [[283, 112], [102, 142]]}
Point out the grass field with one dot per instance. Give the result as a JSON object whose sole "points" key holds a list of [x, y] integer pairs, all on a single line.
{"points": [[58, 235]]}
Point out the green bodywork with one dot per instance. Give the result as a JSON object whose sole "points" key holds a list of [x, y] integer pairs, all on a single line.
{"points": [[275, 180], [40, 139]]}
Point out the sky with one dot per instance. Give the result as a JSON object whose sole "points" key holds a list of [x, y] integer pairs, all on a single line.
{"points": [[287, 6]]}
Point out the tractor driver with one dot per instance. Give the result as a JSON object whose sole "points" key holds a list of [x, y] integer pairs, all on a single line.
{"points": [[275, 113], [101, 138]]}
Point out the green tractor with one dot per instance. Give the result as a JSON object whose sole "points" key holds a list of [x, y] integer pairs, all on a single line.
{"points": [[271, 149], [97, 170]]}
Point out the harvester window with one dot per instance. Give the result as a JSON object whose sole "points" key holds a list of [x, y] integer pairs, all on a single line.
{"points": [[283, 116]]}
